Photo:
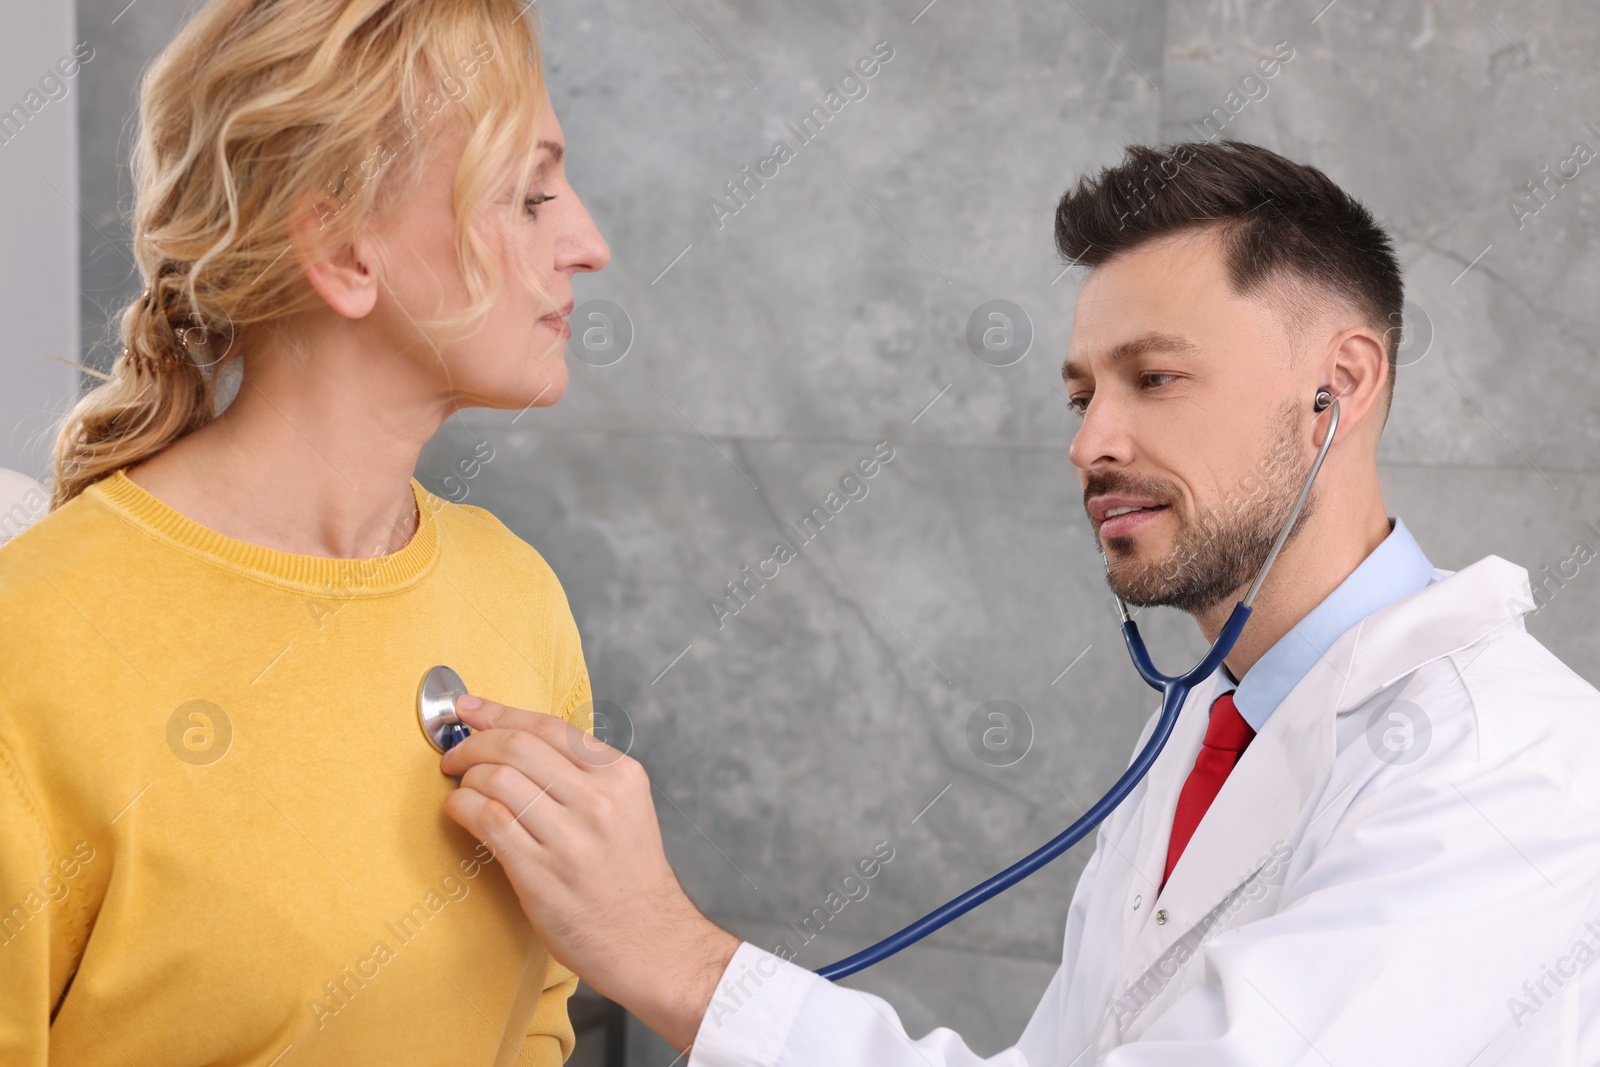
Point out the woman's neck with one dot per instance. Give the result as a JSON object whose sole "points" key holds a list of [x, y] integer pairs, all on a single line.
{"points": [[311, 470]]}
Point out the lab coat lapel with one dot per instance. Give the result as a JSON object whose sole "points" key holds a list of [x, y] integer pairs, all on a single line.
{"points": [[1262, 803], [1253, 814], [1257, 808]]}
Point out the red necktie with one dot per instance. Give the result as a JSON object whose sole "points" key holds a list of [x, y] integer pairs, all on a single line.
{"points": [[1227, 735]]}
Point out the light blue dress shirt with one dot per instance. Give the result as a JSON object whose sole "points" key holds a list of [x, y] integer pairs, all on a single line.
{"points": [[1395, 569]]}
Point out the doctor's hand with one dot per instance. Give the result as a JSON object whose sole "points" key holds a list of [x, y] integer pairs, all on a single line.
{"points": [[572, 822]]}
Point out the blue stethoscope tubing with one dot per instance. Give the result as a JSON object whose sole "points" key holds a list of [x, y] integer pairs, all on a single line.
{"points": [[1174, 692]]}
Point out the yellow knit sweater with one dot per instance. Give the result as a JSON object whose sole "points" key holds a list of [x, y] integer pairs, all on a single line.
{"points": [[222, 834]]}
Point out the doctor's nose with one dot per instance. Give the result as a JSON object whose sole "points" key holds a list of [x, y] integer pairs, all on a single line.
{"points": [[1101, 439]]}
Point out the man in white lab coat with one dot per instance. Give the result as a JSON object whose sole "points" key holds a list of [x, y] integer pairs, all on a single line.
{"points": [[1374, 835]]}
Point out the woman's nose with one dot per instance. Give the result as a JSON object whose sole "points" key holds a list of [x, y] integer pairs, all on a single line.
{"points": [[586, 250]]}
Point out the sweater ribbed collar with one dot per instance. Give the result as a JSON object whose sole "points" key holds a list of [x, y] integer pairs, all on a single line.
{"points": [[321, 576]]}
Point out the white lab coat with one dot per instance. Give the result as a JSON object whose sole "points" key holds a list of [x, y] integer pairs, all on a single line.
{"points": [[1335, 906]]}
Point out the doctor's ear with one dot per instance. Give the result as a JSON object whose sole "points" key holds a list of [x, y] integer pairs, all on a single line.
{"points": [[1356, 371]]}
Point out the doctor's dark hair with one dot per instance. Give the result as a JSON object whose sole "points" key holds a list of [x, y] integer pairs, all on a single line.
{"points": [[1283, 225]]}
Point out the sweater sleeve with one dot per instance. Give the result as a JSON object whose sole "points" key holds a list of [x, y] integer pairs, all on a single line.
{"points": [[551, 1037], [570, 695], [574, 700], [27, 886]]}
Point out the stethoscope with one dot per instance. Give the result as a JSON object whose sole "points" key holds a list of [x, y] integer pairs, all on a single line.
{"points": [[436, 708], [441, 686]]}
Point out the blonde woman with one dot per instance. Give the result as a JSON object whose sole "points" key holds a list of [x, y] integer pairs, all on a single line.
{"points": [[222, 831]]}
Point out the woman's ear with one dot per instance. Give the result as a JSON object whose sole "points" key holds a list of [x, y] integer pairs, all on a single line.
{"points": [[341, 270]]}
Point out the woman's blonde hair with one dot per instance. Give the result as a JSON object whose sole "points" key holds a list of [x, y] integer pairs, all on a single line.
{"points": [[255, 111]]}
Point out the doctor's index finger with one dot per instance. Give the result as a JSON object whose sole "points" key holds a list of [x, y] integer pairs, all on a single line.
{"points": [[500, 723], [582, 743]]}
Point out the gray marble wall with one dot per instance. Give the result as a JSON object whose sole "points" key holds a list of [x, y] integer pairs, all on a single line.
{"points": [[774, 347]]}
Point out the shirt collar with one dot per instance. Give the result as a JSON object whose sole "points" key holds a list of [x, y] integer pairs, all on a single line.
{"points": [[1396, 568]]}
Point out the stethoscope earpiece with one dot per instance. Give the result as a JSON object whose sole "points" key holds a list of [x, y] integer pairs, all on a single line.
{"points": [[1323, 399]]}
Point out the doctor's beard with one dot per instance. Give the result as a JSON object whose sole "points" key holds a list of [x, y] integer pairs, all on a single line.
{"points": [[1214, 558]]}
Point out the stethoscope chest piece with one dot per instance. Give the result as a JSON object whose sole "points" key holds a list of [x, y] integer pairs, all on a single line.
{"points": [[436, 708]]}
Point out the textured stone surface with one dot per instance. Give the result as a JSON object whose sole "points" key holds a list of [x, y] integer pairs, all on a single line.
{"points": [[835, 303], [1437, 116], [829, 313]]}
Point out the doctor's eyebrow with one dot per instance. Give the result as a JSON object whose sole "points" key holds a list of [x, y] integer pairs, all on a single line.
{"points": [[1129, 350]]}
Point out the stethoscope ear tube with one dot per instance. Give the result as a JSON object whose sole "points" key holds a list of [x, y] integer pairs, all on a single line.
{"points": [[1174, 692]]}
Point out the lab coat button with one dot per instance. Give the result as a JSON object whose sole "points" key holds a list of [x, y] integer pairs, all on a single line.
{"points": [[1136, 902], [1161, 917]]}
